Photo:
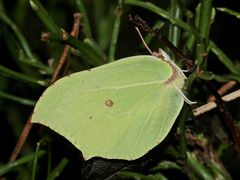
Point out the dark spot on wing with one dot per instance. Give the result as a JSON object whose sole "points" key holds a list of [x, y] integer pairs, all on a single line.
{"points": [[109, 103], [90, 117]]}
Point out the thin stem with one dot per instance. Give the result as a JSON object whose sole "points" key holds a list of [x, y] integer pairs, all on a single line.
{"points": [[197, 167], [83, 11], [89, 53], [182, 139], [204, 25], [205, 19], [18, 76], [22, 41], [116, 28], [229, 11], [32, 60], [44, 16], [223, 58], [58, 169], [211, 105], [22, 139], [21, 100], [162, 13], [12, 165], [227, 117], [223, 89], [141, 24], [35, 161], [74, 33], [174, 31]]}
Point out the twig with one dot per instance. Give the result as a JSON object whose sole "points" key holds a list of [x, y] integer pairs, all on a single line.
{"points": [[227, 117], [21, 139], [223, 89], [141, 24], [211, 105], [74, 32], [28, 125]]}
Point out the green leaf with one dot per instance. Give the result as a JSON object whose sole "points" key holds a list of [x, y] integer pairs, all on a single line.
{"points": [[197, 167], [95, 47], [18, 76], [207, 75], [12, 165], [21, 100], [223, 58], [166, 165], [44, 16], [58, 169], [120, 110], [229, 11]]}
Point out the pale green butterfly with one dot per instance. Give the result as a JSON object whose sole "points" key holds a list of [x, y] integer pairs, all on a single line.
{"points": [[120, 110]]}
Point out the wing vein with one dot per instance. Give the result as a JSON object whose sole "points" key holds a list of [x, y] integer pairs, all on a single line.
{"points": [[125, 86], [147, 120]]}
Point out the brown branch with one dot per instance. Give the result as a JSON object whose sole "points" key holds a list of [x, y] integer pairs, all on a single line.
{"points": [[28, 125], [223, 89], [227, 117], [74, 32], [211, 105], [141, 24], [21, 139]]}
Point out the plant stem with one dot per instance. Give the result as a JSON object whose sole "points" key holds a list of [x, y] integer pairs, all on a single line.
{"points": [[7, 168], [174, 31], [223, 58], [32, 60], [18, 34], [116, 28], [197, 167], [34, 167], [161, 12], [83, 11], [204, 25], [74, 33], [44, 16], [22, 139], [181, 131], [88, 52], [18, 76], [24, 101]]}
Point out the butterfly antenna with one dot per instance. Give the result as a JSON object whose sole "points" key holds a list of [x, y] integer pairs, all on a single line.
{"points": [[144, 43]]}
